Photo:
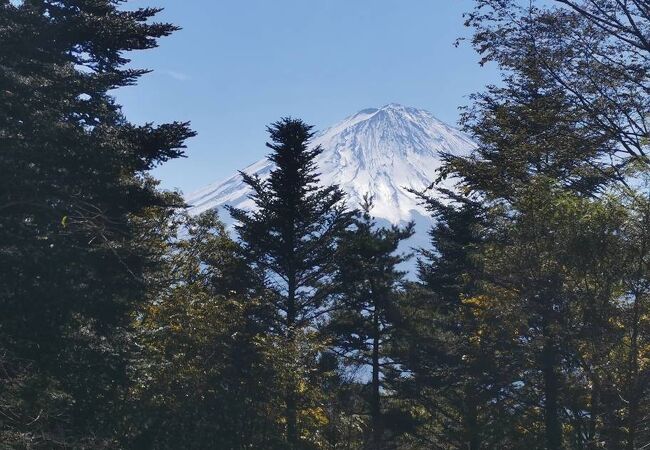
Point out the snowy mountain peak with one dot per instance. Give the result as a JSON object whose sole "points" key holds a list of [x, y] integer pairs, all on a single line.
{"points": [[380, 151]]}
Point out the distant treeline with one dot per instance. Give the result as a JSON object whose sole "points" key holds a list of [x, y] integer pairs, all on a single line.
{"points": [[127, 324]]}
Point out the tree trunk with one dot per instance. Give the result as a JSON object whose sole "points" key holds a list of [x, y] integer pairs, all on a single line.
{"points": [[472, 437], [291, 396], [633, 395], [551, 389], [292, 418], [592, 435], [375, 405]]}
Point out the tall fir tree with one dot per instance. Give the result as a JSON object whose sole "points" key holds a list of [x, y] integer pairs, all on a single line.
{"points": [[362, 325], [74, 181], [290, 240], [457, 359]]}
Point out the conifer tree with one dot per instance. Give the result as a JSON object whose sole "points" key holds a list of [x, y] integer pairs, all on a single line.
{"points": [[74, 181], [437, 339], [363, 323], [530, 133], [290, 240]]}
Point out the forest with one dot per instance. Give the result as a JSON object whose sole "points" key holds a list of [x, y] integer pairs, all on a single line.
{"points": [[127, 323]]}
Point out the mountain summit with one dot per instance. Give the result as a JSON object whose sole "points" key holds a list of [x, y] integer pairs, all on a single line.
{"points": [[383, 152]]}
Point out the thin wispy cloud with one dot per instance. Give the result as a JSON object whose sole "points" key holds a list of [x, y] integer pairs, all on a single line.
{"points": [[180, 76]]}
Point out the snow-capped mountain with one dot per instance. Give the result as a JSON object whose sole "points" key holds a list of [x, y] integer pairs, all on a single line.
{"points": [[383, 152]]}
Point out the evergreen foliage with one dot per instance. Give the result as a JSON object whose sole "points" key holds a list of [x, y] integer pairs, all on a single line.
{"points": [[290, 240], [362, 325], [127, 324], [74, 182]]}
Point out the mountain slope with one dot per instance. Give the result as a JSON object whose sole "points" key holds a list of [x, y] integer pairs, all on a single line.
{"points": [[383, 152]]}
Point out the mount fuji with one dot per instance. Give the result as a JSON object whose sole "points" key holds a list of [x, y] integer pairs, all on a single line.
{"points": [[383, 152]]}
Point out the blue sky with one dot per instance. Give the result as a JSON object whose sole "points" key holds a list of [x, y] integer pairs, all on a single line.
{"points": [[238, 65]]}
